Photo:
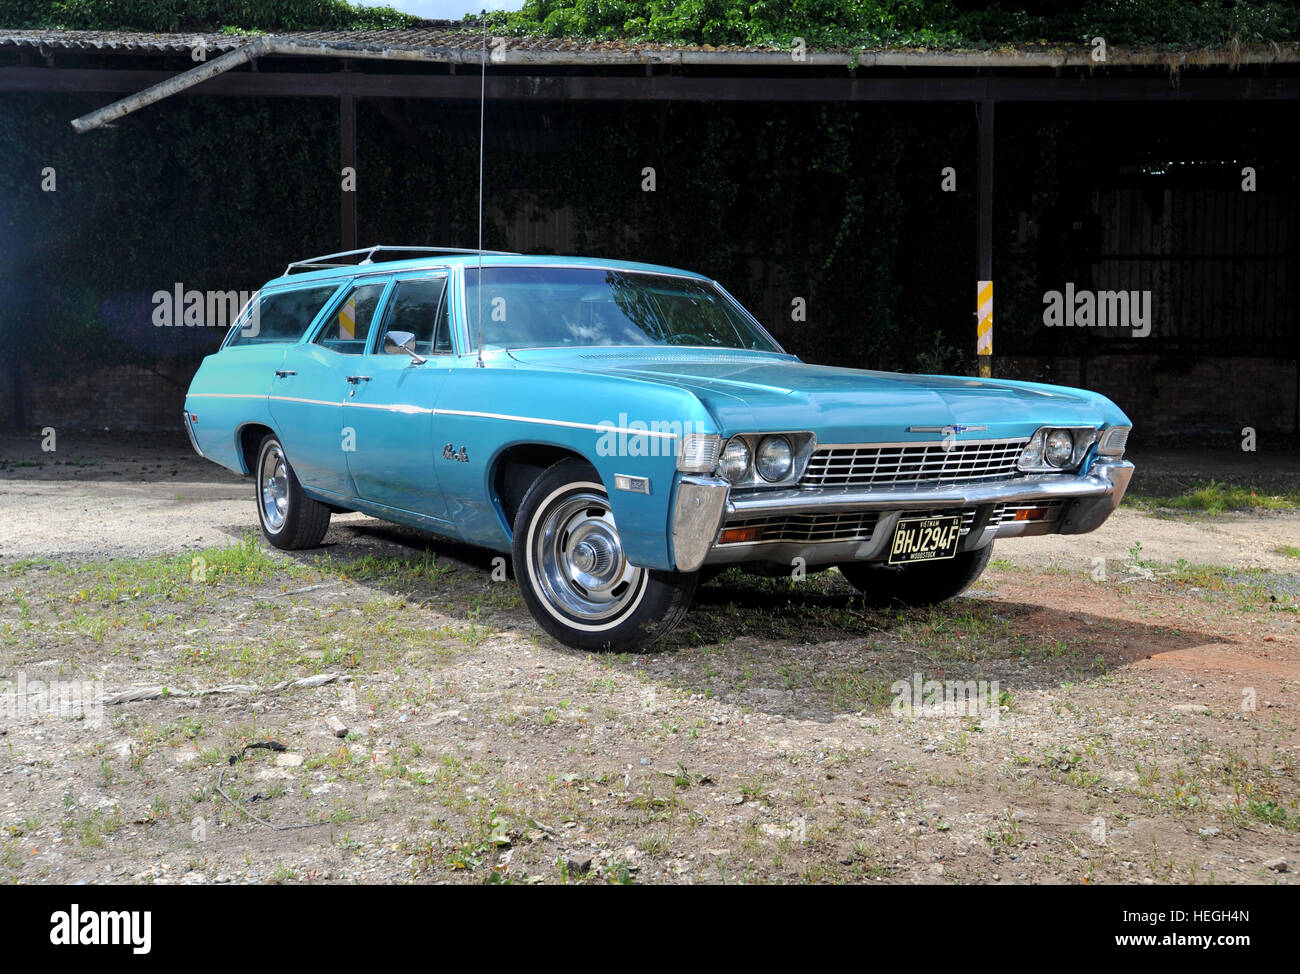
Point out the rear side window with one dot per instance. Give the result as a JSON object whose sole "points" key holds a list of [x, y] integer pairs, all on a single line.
{"points": [[346, 329], [281, 316]]}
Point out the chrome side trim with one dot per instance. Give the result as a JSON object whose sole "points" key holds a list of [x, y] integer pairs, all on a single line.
{"points": [[557, 422], [310, 402], [402, 407]]}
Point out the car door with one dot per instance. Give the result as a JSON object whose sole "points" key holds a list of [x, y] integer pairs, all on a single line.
{"points": [[391, 413], [314, 381]]}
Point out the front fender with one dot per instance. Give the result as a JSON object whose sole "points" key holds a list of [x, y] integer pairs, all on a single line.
{"points": [[618, 425]]}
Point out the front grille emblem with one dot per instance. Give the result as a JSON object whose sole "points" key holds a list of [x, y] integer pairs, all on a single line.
{"points": [[946, 430]]}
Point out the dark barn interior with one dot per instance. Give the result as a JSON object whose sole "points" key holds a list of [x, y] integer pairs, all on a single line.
{"points": [[821, 180]]}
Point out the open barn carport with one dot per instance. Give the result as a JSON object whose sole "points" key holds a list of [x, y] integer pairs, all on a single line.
{"points": [[1219, 261]]}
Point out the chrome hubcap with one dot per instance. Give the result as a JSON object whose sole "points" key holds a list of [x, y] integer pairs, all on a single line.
{"points": [[578, 558], [275, 487]]}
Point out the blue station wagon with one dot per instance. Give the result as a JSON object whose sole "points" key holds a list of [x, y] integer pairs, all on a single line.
{"points": [[620, 429]]}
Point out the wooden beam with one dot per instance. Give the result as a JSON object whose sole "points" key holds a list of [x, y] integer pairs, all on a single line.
{"points": [[776, 88]]}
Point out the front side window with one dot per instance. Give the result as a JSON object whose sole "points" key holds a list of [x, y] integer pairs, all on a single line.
{"points": [[348, 327], [280, 316], [419, 309], [543, 307]]}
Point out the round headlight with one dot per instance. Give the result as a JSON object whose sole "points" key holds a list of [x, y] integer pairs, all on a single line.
{"points": [[734, 462], [1033, 452], [774, 459], [1060, 448]]}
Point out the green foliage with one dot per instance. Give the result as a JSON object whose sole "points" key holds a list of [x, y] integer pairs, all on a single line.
{"points": [[843, 23], [931, 23], [189, 15]]}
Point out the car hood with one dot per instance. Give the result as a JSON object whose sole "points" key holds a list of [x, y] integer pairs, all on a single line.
{"points": [[759, 391]]}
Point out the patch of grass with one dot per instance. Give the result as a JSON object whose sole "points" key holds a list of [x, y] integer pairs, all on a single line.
{"points": [[390, 571], [1289, 550], [1213, 497], [25, 565], [128, 579]]}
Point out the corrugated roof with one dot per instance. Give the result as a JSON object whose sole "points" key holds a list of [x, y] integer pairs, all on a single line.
{"points": [[455, 43], [418, 38]]}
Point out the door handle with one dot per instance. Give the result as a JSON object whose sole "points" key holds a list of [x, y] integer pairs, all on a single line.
{"points": [[284, 372], [354, 379]]}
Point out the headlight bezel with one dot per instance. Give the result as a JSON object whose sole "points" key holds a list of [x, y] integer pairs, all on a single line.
{"points": [[1033, 458], [802, 443]]}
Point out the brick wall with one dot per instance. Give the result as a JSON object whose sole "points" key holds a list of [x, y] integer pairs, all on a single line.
{"points": [[1166, 394], [119, 397]]}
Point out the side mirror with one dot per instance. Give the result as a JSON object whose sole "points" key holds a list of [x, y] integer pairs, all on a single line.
{"points": [[402, 342]]}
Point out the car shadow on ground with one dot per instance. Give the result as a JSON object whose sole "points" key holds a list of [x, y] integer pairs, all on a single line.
{"points": [[809, 649]]}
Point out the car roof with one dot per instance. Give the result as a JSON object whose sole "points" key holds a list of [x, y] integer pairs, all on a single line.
{"points": [[488, 260]]}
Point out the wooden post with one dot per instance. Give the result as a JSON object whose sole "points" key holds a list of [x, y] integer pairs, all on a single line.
{"points": [[348, 159], [984, 243]]}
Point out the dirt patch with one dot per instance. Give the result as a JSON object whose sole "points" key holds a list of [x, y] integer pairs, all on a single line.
{"points": [[1143, 727], [1119, 749]]}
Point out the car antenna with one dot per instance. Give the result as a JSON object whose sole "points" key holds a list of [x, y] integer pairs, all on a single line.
{"points": [[482, 100]]}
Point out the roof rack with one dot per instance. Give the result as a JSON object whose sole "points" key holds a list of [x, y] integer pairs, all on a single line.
{"points": [[367, 255]]}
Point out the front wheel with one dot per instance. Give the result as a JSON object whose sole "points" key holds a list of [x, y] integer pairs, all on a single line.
{"points": [[289, 518], [574, 576], [921, 584]]}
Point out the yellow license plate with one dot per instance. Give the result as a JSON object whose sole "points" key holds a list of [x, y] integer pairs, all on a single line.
{"points": [[924, 539]]}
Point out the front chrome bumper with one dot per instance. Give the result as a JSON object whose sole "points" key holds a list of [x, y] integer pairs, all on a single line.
{"points": [[1080, 504]]}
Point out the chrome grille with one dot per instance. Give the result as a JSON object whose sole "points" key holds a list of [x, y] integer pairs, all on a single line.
{"points": [[810, 528], [912, 464]]}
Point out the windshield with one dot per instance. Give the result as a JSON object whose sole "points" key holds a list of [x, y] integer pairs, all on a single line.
{"points": [[545, 307]]}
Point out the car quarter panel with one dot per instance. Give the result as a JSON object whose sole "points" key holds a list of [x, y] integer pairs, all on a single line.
{"points": [[230, 391]]}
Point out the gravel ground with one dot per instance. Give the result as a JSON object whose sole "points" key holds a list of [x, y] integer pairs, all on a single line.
{"points": [[1144, 727]]}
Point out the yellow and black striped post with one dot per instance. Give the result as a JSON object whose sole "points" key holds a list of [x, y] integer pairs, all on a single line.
{"points": [[348, 320], [984, 330]]}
